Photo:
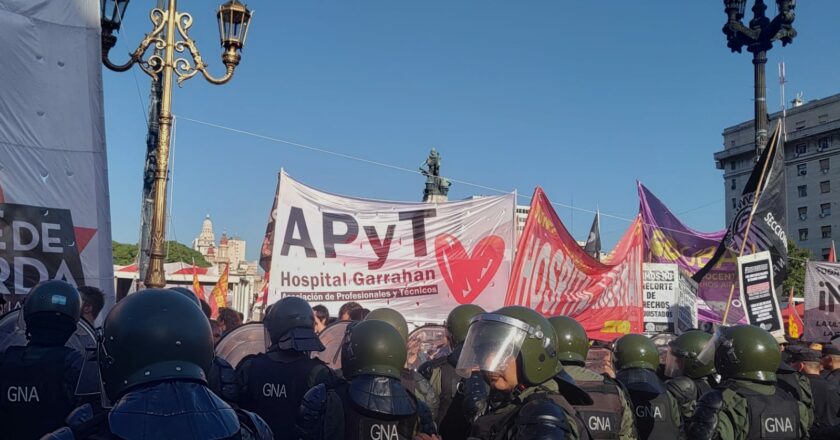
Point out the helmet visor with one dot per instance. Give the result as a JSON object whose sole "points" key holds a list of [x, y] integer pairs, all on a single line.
{"points": [[493, 342], [707, 354], [674, 366]]}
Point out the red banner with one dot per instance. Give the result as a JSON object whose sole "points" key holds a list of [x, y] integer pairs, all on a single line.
{"points": [[554, 276]]}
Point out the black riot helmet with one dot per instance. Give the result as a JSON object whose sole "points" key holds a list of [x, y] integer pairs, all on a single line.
{"points": [[54, 297], [290, 324], [188, 293], [51, 311], [153, 335]]}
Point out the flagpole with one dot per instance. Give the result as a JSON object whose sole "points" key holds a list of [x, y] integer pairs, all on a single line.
{"points": [[758, 190], [791, 308]]}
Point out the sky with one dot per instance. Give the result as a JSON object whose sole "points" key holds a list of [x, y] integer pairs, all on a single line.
{"points": [[580, 98]]}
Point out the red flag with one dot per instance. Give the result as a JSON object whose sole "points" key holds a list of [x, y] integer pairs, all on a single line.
{"points": [[832, 254], [218, 297], [196, 284], [554, 276], [795, 324]]}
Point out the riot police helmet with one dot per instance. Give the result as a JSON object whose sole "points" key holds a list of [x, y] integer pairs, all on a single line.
{"points": [[392, 317], [744, 352], [511, 334], [572, 342], [635, 351], [150, 336], [458, 322], [54, 297], [374, 348], [290, 324], [51, 312], [188, 293], [682, 358]]}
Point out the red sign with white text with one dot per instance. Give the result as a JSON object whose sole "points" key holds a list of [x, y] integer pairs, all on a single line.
{"points": [[554, 276]]}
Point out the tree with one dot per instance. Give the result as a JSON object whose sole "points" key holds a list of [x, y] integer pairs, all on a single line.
{"points": [[796, 270], [125, 254]]}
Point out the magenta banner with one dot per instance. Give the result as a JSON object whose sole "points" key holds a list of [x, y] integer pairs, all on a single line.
{"points": [[668, 240]]}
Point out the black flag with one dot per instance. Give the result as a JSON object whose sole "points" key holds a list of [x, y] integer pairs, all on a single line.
{"points": [[769, 221], [593, 242]]}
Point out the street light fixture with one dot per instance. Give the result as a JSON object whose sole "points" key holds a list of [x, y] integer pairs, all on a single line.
{"points": [[758, 37], [169, 36]]}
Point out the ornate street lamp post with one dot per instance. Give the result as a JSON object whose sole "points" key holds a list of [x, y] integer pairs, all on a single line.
{"points": [[759, 38], [169, 35]]}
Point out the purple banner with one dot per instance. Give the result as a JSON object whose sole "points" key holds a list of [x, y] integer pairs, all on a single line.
{"points": [[668, 240]]}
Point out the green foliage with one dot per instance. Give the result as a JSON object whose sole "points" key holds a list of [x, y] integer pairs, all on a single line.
{"points": [[125, 254], [796, 270]]}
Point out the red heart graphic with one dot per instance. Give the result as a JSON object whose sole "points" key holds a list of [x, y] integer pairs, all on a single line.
{"points": [[468, 275]]}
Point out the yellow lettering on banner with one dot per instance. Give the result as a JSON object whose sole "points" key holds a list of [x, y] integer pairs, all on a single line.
{"points": [[622, 327]]}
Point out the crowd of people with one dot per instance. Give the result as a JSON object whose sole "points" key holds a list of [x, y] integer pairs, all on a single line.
{"points": [[508, 374]]}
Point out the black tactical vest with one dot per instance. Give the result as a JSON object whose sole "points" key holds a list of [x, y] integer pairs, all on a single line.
{"points": [[362, 424], [34, 398], [771, 417], [275, 389], [602, 419], [653, 416], [495, 426]]}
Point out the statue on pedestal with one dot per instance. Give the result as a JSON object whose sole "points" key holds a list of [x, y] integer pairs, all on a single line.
{"points": [[437, 187]]}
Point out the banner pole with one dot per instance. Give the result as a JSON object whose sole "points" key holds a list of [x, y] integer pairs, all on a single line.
{"points": [[770, 155]]}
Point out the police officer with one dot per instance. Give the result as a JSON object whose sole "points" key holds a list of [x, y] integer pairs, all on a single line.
{"points": [[221, 377], [460, 400], [794, 382], [746, 404], [371, 402], [38, 381], [154, 354], [689, 378], [515, 350], [610, 416], [826, 394], [656, 412], [411, 380], [273, 383], [831, 362]]}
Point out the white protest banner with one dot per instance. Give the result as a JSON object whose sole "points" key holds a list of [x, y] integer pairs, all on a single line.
{"points": [[686, 304], [661, 286], [758, 295], [822, 301], [54, 202], [421, 259]]}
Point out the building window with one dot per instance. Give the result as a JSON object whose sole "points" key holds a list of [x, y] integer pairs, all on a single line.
{"points": [[823, 144], [825, 210], [824, 166], [733, 164], [803, 213], [825, 253], [826, 231], [825, 186], [803, 190], [803, 234], [734, 184], [734, 203], [802, 169], [801, 149]]}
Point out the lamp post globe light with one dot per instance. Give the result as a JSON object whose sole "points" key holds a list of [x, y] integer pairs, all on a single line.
{"points": [[758, 37], [169, 36]]}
